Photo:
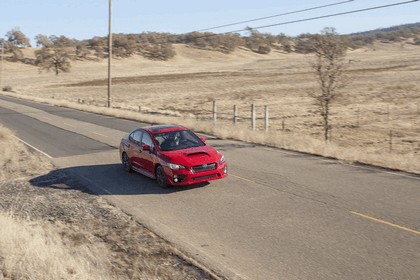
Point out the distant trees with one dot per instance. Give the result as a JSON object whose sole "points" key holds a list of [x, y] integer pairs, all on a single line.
{"points": [[15, 40], [157, 51], [258, 42], [225, 43], [98, 45], [55, 53], [328, 66], [43, 41], [155, 46], [123, 45], [159, 46], [57, 59]]}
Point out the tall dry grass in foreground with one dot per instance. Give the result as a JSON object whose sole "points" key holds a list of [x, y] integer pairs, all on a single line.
{"points": [[35, 249], [15, 161]]}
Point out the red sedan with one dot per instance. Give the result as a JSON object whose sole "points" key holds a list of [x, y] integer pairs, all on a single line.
{"points": [[171, 154]]}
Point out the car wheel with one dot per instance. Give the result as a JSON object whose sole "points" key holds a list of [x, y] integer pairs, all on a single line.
{"points": [[126, 163], [161, 177]]}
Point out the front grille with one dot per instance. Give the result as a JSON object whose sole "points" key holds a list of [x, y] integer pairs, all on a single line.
{"points": [[205, 177], [204, 167]]}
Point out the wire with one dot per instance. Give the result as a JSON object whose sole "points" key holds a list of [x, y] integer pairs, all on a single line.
{"points": [[278, 15], [320, 17]]}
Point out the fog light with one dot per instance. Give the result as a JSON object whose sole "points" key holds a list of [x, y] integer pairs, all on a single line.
{"points": [[225, 170], [175, 178]]}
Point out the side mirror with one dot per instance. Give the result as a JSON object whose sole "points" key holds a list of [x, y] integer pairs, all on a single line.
{"points": [[203, 139], [146, 148]]}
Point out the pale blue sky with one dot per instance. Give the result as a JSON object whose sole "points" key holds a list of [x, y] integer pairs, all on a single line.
{"points": [[84, 19]]}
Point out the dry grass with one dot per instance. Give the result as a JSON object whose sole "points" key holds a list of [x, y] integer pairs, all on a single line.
{"points": [[15, 161], [35, 250], [382, 97], [53, 228]]}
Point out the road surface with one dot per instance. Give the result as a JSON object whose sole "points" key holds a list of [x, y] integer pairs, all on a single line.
{"points": [[278, 215]]}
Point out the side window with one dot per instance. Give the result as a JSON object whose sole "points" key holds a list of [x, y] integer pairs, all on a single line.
{"points": [[146, 140], [136, 136]]}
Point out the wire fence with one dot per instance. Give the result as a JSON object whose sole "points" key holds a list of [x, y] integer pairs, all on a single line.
{"points": [[386, 128]]}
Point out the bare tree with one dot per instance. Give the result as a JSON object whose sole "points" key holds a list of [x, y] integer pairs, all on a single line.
{"points": [[328, 65]]}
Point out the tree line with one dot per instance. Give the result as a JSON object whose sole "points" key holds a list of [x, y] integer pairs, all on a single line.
{"points": [[328, 48], [57, 52]]}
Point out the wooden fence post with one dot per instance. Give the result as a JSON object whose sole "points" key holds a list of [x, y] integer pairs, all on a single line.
{"points": [[214, 111], [390, 141], [266, 117], [358, 117], [253, 116], [235, 114]]}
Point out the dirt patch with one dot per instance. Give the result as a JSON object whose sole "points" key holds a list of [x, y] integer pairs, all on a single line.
{"points": [[81, 217]]}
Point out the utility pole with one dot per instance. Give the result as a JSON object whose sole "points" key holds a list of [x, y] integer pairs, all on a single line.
{"points": [[109, 55], [1, 66]]}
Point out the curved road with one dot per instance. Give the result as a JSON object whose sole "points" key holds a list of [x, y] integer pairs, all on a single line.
{"points": [[279, 214]]}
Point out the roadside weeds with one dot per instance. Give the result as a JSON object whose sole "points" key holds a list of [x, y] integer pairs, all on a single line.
{"points": [[50, 230]]}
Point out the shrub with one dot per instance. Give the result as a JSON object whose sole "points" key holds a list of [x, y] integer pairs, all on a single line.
{"points": [[264, 49], [7, 88], [157, 51]]}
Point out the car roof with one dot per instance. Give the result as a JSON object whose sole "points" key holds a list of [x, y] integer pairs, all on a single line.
{"points": [[154, 129]]}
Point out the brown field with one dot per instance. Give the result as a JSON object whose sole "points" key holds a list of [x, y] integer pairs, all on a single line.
{"points": [[376, 121]]}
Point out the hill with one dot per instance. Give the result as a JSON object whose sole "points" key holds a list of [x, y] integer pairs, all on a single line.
{"points": [[376, 121]]}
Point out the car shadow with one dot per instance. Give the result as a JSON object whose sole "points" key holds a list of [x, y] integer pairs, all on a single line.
{"points": [[107, 179]]}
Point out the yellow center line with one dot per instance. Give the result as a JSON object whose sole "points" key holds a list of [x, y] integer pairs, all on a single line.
{"points": [[353, 212], [385, 222], [68, 124], [99, 134], [242, 178]]}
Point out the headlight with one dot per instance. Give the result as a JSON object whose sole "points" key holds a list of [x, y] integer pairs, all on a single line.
{"points": [[175, 166], [222, 159]]}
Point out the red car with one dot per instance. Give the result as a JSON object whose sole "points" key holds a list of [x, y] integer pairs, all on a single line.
{"points": [[171, 154]]}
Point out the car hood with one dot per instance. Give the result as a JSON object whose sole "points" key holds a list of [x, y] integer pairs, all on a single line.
{"points": [[191, 156]]}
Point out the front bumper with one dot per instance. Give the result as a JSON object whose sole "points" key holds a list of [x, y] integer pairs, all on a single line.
{"points": [[189, 177]]}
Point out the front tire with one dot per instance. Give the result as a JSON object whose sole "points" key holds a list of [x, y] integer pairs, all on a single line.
{"points": [[126, 163], [161, 177]]}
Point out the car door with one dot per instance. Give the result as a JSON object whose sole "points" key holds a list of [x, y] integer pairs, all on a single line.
{"points": [[147, 155], [134, 148]]}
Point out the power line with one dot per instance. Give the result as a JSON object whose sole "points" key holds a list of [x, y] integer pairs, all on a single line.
{"points": [[273, 16], [325, 16]]}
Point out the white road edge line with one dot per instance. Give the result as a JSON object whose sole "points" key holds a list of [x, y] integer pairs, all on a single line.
{"points": [[36, 149]]}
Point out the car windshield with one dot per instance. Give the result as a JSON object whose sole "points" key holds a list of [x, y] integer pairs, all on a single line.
{"points": [[177, 140]]}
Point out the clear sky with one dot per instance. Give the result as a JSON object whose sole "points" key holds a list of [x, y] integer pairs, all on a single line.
{"points": [[84, 19]]}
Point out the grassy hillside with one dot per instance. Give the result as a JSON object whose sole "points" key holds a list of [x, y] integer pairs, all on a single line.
{"points": [[376, 121]]}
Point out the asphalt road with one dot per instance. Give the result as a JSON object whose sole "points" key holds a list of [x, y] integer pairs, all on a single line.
{"points": [[278, 215]]}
